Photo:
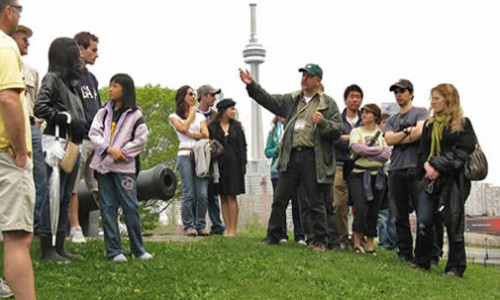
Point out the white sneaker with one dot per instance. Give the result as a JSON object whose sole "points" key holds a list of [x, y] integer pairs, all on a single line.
{"points": [[76, 235], [120, 258], [145, 256], [282, 241], [5, 291], [302, 243]]}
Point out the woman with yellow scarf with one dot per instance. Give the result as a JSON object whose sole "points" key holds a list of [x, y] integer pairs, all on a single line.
{"points": [[447, 141]]}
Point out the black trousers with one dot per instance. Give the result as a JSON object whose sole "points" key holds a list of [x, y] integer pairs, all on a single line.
{"points": [[404, 195], [298, 230], [365, 212], [301, 170]]}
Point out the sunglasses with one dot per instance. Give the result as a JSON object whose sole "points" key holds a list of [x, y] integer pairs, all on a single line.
{"points": [[18, 7], [191, 94]]}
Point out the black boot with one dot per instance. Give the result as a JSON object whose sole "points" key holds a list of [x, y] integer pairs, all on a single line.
{"points": [[60, 239], [48, 251]]}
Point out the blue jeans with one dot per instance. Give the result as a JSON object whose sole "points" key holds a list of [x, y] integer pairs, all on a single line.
{"points": [[39, 173], [194, 194], [386, 227], [67, 182], [214, 210], [120, 190], [429, 236]]}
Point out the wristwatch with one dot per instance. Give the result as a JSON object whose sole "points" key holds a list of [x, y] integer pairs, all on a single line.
{"points": [[406, 131]]}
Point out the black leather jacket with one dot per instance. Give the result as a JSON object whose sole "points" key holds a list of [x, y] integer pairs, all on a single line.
{"points": [[451, 187], [55, 97]]}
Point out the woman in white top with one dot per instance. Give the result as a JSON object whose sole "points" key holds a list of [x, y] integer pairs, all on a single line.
{"points": [[190, 127]]}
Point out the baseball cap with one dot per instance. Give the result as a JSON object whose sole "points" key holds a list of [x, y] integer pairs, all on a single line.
{"points": [[312, 69], [404, 84], [25, 29], [207, 89]]}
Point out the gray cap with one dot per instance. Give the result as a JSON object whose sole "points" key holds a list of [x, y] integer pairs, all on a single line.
{"points": [[207, 89], [403, 84]]}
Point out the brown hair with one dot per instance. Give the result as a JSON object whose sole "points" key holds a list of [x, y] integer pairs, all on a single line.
{"points": [[83, 39]]}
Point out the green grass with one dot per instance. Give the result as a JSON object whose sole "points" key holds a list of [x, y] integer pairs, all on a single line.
{"points": [[242, 268]]}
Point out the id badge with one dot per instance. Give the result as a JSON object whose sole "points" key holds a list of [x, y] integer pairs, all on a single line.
{"points": [[300, 124]]}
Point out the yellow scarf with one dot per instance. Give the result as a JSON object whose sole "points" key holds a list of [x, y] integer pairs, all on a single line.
{"points": [[437, 134]]}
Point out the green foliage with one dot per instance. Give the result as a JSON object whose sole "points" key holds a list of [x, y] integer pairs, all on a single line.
{"points": [[156, 105], [243, 268]]}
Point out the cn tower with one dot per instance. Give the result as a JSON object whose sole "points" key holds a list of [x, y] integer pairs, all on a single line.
{"points": [[254, 54]]}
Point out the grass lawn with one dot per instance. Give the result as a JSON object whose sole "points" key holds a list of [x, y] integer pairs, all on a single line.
{"points": [[242, 268]]}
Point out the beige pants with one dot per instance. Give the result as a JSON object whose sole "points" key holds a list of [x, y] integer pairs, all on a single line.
{"points": [[340, 196], [17, 195]]}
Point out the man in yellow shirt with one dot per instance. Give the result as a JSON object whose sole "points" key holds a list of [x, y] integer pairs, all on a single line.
{"points": [[17, 191]]}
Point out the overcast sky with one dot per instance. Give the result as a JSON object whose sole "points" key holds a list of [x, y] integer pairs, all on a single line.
{"points": [[371, 43]]}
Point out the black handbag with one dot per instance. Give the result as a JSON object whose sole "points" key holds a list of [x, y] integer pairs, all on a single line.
{"points": [[476, 166]]}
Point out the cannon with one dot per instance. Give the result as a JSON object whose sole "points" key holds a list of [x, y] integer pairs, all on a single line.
{"points": [[159, 182]]}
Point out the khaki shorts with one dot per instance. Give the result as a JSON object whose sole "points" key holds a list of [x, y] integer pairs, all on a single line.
{"points": [[85, 172], [17, 195]]}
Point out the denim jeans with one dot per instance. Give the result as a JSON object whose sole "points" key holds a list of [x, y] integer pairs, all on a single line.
{"points": [[429, 238], [214, 210], [386, 227], [67, 181], [39, 172], [194, 194], [119, 190]]}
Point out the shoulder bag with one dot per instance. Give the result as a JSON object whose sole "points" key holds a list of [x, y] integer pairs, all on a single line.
{"points": [[476, 166]]}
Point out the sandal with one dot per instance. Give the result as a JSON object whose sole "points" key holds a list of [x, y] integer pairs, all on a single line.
{"points": [[372, 252], [358, 250]]}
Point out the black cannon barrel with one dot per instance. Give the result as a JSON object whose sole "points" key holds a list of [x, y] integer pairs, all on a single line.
{"points": [[159, 182]]}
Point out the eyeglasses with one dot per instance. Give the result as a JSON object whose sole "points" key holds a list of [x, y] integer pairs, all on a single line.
{"points": [[191, 94], [18, 7]]}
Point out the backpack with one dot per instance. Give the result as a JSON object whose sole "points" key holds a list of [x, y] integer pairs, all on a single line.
{"points": [[132, 137]]}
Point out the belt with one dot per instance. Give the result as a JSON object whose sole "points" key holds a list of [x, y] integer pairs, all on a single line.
{"points": [[302, 148], [32, 120], [185, 149]]}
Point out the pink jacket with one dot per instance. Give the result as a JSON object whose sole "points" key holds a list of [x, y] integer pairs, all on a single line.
{"points": [[100, 133]]}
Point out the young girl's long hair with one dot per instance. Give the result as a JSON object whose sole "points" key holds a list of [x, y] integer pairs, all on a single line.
{"points": [[129, 100]]}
